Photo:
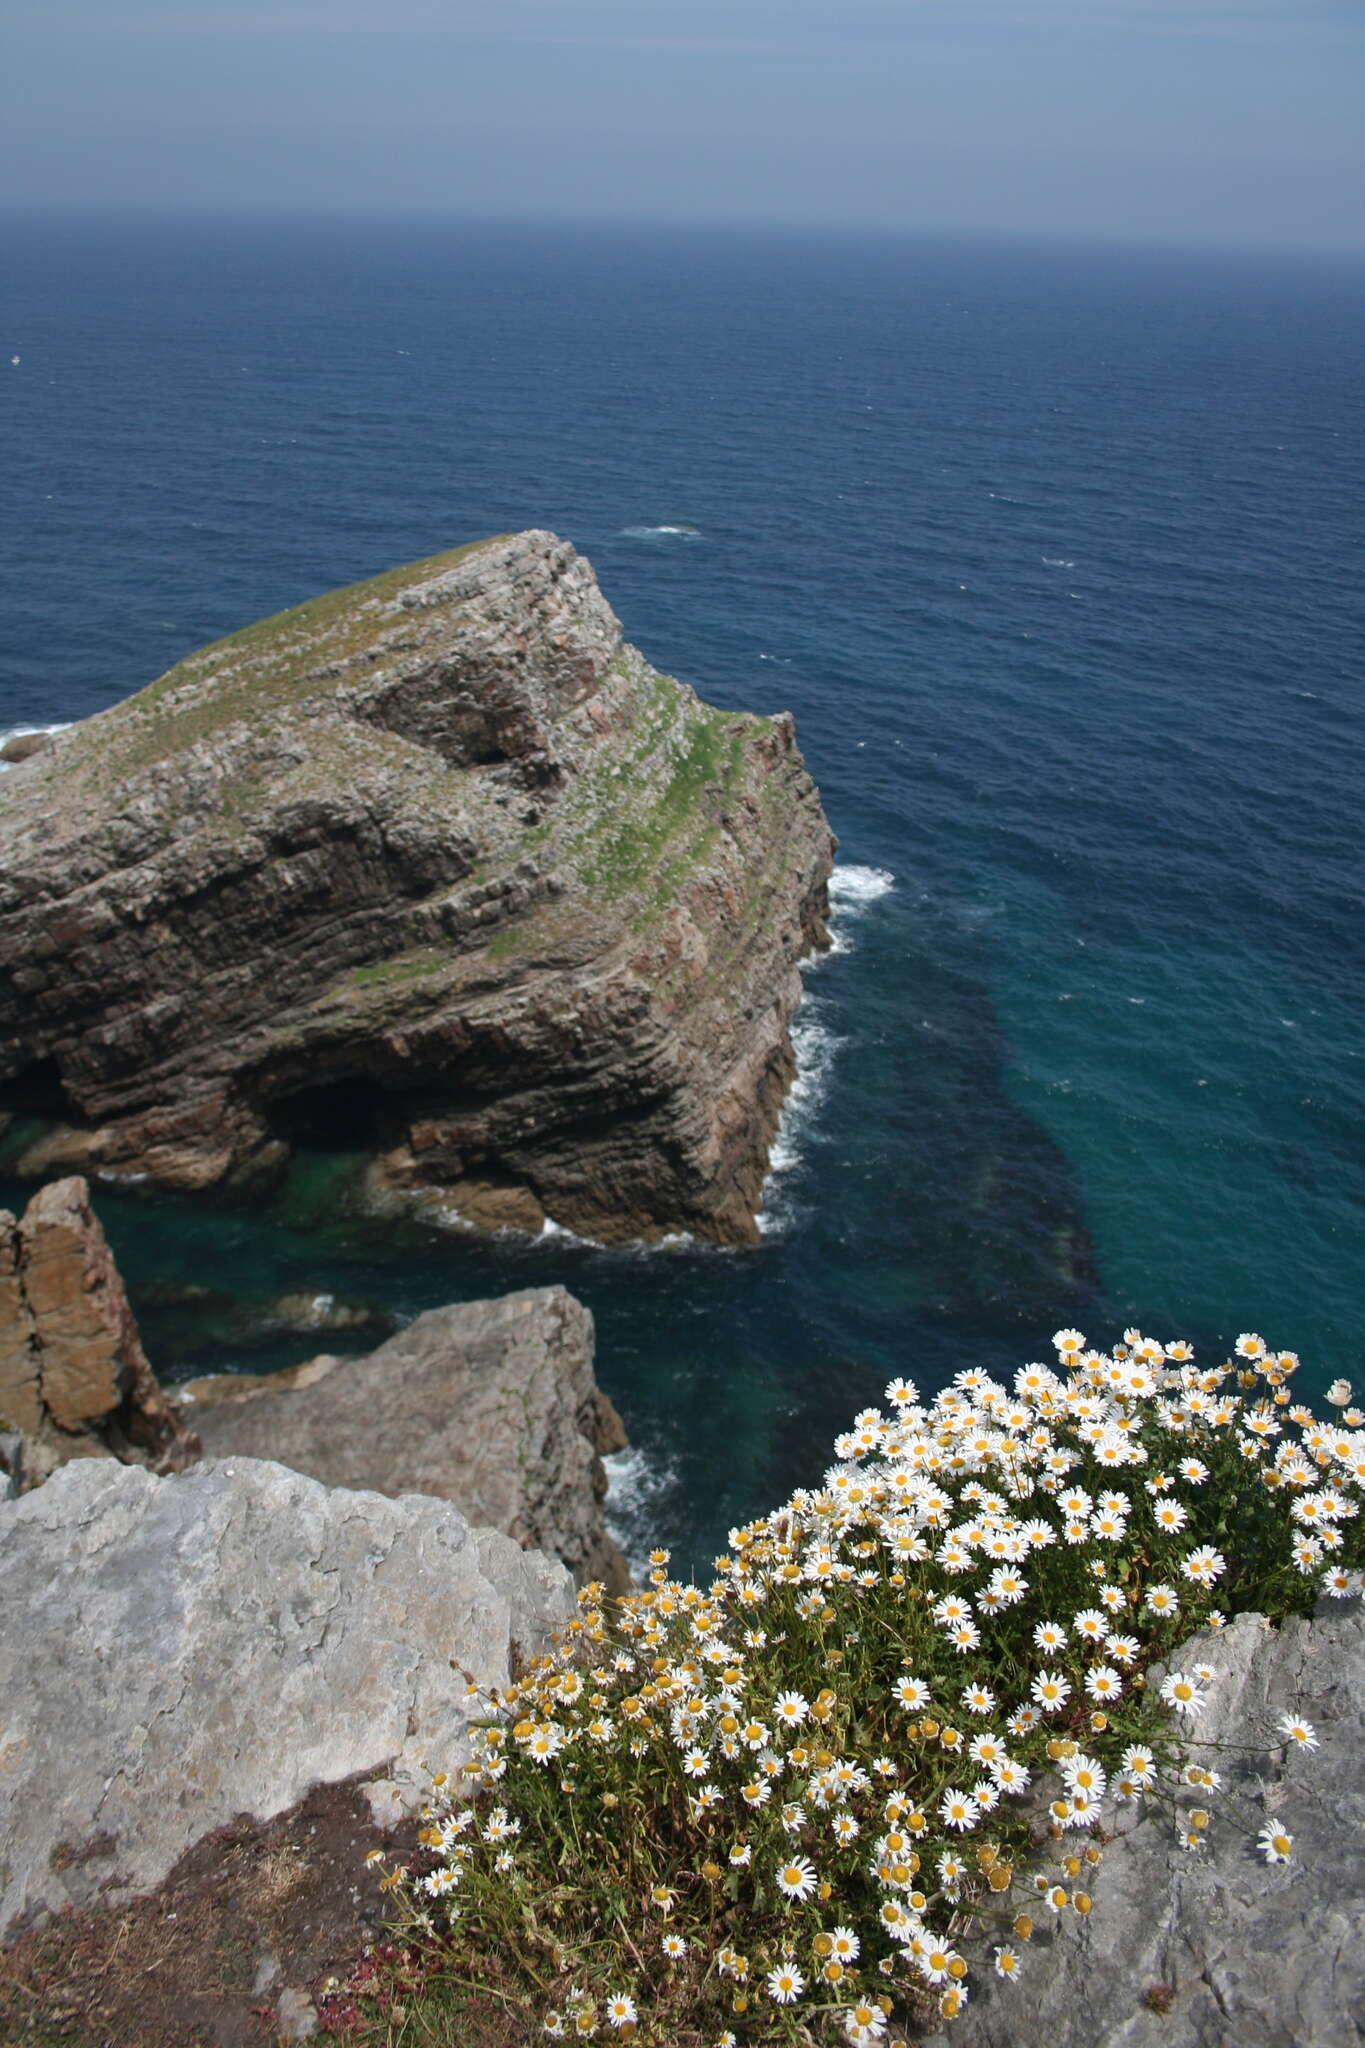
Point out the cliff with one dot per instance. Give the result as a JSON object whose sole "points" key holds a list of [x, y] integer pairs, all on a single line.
{"points": [[437, 869]]}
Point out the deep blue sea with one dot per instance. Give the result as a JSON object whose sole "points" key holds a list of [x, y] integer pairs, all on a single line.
{"points": [[1056, 555]]}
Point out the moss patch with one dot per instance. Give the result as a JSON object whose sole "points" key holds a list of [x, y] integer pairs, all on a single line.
{"points": [[665, 790], [404, 967]]}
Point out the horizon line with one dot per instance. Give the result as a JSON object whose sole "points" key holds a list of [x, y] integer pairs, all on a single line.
{"points": [[358, 213]]}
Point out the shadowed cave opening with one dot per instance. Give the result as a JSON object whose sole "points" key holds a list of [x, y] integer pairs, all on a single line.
{"points": [[350, 1115], [38, 1090]]}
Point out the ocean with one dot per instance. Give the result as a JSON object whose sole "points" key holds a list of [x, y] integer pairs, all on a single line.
{"points": [[1055, 553]]}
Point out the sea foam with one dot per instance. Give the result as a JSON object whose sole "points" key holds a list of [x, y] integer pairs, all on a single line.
{"points": [[637, 1484], [852, 891]]}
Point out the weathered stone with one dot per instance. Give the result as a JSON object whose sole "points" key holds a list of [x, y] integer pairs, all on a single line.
{"points": [[439, 868], [21, 1399], [22, 746], [490, 1404], [176, 1652], [1203, 1950], [296, 2015], [78, 1305], [73, 1375]]}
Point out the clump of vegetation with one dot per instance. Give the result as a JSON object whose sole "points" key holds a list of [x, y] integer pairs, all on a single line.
{"points": [[264, 665], [662, 798], [405, 967], [798, 1804]]}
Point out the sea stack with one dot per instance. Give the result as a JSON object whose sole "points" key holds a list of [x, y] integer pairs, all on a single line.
{"points": [[436, 869]]}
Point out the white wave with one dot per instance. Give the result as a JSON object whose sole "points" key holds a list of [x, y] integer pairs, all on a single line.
{"points": [[661, 532], [550, 1229], [816, 1048], [851, 886], [635, 1487], [1057, 562], [852, 890], [552, 1233]]}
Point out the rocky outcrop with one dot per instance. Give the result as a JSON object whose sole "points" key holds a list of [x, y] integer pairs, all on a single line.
{"points": [[437, 869], [74, 1380], [175, 1652], [491, 1404], [22, 746], [1200, 1951]]}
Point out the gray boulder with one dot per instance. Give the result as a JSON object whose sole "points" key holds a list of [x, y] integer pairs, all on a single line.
{"points": [[178, 1651], [490, 1404], [1209, 1949]]}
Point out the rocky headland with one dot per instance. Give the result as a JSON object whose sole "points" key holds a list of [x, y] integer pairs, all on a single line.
{"points": [[436, 869]]}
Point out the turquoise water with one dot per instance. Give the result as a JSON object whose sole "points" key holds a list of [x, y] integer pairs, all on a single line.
{"points": [[1056, 556]]}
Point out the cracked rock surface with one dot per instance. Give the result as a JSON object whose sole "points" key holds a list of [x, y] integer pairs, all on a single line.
{"points": [[437, 870], [1206, 1950], [178, 1651]]}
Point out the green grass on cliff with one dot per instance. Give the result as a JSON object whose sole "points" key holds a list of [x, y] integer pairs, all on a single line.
{"points": [[631, 814], [263, 665], [404, 967]]}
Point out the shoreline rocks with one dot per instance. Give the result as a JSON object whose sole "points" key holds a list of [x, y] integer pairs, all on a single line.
{"points": [[22, 746], [74, 1379], [437, 870], [489, 1404]]}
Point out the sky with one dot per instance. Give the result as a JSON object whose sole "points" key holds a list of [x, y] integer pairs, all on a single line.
{"points": [[1231, 122]]}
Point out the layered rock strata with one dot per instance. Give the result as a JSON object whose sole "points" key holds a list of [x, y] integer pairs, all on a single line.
{"points": [[491, 1404], [74, 1379], [175, 1652], [437, 868]]}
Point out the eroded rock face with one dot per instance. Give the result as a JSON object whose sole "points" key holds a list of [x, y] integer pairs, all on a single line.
{"points": [[1201, 1951], [178, 1651], [437, 868], [491, 1404], [74, 1380]]}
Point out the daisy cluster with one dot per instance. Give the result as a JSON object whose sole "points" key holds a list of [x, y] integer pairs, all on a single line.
{"points": [[784, 1805]]}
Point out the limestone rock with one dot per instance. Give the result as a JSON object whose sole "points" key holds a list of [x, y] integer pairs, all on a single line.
{"points": [[490, 1404], [436, 869], [74, 1379], [1201, 1951], [178, 1651]]}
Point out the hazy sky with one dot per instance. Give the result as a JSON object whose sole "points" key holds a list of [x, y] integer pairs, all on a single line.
{"points": [[1237, 121]]}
